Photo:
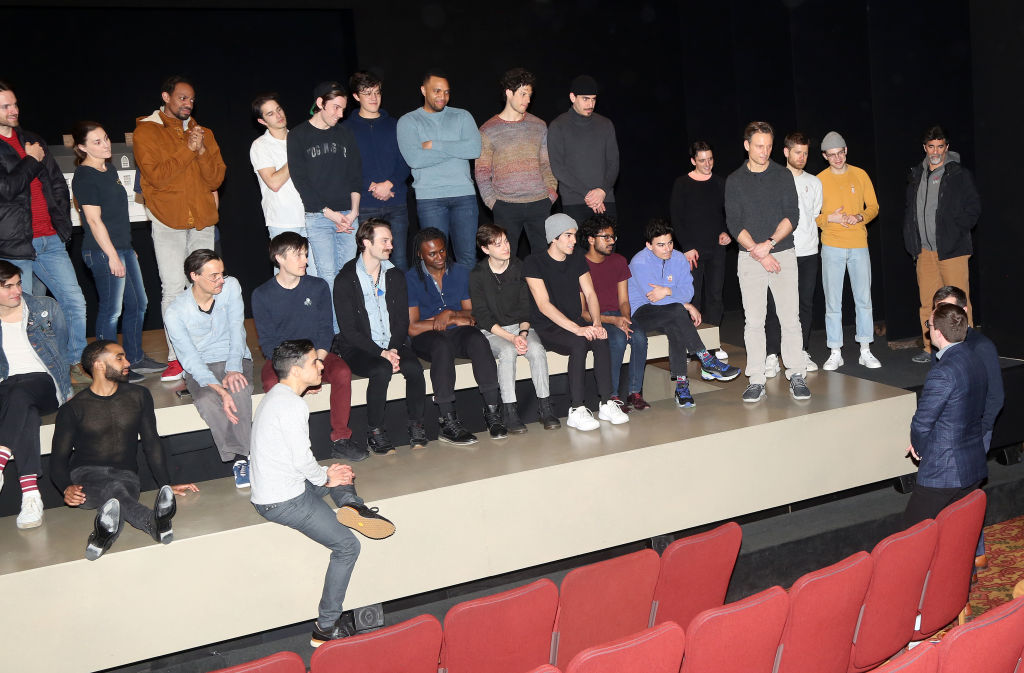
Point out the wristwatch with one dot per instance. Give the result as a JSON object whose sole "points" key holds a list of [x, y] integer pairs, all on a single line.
{"points": [[524, 332], [771, 242]]}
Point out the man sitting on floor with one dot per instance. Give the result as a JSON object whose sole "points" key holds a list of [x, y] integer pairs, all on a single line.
{"points": [[288, 486], [94, 461], [34, 381], [660, 289], [294, 305], [206, 327]]}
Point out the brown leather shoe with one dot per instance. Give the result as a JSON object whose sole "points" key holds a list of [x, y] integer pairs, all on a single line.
{"points": [[981, 561]]}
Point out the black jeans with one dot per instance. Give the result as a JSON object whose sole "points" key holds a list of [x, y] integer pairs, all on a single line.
{"points": [[674, 320], [515, 217], [441, 349], [708, 281], [927, 501], [581, 212], [808, 268], [564, 342], [101, 483], [379, 372], [23, 399]]}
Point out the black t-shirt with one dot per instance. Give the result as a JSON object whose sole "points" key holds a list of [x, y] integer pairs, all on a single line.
{"points": [[562, 280], [325, 166], [103, 189]]}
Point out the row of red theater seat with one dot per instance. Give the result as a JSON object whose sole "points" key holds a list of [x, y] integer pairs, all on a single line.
{"points": [[845, 618]]}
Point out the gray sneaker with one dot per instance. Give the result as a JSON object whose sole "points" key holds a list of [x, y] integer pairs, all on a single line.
{"points": [[755, 392], [922, 358], [148, 365], [799, 388]]}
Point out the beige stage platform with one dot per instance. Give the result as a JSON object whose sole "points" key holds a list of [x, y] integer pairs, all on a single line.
{"points": [[462, 514]]}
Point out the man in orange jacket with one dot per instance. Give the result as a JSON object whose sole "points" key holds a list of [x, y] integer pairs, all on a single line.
{"points": [[181, 168]]}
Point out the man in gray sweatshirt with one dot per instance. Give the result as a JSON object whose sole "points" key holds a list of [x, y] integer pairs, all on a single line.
{"points": [[761, 211]]}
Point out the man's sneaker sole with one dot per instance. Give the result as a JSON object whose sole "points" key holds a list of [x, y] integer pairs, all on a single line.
{"points": [[711, 375], [689, 404], [174, 377], [466, 442], [375, 529], [751, 400]]}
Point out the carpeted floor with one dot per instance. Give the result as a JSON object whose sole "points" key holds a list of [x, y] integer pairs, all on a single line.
{"points": [[1004, 546]]}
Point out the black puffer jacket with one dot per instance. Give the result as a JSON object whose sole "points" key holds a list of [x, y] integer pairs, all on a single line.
{"points": [[957, 212], [15, 200]]}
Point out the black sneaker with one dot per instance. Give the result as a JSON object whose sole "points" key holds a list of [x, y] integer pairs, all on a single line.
{"points": [[495, 425], [148, 365], [922, 358], [163, 511], [452, 431], [682, 396], [798, 388], [755, 392], [365, 520], [378, 442], [513, 423], [547, 414], [104, 529], [417, 435], [343, 628], [346, 449], [135, 377]]}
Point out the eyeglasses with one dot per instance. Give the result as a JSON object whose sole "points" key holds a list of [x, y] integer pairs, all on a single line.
{"points": [[607, 237], [370, 93], [927, 324], [836, 154]]}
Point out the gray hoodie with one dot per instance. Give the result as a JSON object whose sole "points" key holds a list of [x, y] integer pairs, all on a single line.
{"points": [[928, 199]]}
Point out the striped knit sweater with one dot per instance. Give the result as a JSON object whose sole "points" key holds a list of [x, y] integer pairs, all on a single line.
{"points": [[513, 164]]}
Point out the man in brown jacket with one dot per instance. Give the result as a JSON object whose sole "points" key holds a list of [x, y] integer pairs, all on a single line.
{"points": [[181, 168]]}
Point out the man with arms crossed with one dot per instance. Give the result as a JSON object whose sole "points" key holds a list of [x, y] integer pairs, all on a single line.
{"points": [[288, 486], [94, 462], [180, 169], [282, 205], [437, 142], [761, 208]]}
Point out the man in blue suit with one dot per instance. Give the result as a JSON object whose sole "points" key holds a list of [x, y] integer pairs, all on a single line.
{"points": [[946, 433]]}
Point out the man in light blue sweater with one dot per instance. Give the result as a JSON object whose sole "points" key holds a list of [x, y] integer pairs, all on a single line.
{"points": [[437, 142], [660, 290]]}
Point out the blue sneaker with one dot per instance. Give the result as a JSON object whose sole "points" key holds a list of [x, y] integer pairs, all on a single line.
{"points": [[715, 369], [241, 470], [683, 397]]}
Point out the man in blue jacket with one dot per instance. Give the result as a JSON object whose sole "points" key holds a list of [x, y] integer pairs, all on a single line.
{"points": [[660, 290], [946, 433]]}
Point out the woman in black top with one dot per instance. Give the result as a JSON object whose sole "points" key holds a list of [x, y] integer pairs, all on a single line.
{"points": [[107, 245]]}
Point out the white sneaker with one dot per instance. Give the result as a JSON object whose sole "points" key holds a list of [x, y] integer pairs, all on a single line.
{"points": [[581, 419], [809, 363], [31, 515], [834, 362], [868, 359], [771, 366], [721, 355], [1, 480], [610, 411]]}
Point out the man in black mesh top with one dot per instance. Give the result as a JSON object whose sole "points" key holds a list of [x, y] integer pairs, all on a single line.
{"points": [[94, 457]]}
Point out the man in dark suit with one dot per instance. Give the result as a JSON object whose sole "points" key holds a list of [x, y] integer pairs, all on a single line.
{"points": [[946, 431]]}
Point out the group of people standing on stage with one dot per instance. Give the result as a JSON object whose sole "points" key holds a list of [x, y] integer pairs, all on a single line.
{"points": [[346, 299]]}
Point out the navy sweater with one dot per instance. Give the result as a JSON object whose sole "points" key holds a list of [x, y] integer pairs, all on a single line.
{"points": [[304, 312], [378, 147]]}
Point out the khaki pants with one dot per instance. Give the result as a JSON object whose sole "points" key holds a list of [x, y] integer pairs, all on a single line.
{"points": [[933, 274], [754, 285]]}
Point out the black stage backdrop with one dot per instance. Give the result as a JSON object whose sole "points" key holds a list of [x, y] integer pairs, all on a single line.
{"points": [[671, 72]]}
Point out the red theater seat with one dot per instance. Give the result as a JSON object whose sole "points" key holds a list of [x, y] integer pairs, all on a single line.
{"points": [[604, 601], [546, 668], [741, 637], [281, 662], [695, 573], [991, 643], [656, 650], [949, 578], [412, 646], [894, 595], [508, 632], [823, 609], [922, 659]]}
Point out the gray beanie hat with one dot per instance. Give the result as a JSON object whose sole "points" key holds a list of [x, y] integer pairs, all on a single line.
{"points": [[832, 141], [558, 224]]}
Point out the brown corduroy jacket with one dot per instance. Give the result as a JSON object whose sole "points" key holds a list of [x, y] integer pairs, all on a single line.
{"points": [[177, 183]]}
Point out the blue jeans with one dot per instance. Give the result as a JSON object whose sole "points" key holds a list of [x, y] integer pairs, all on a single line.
{"points": [[331, 249], [835, 262], [53, 266], [311, 516], [617, 341], [458, 218], [301, 231], [398, 218], [114, 293]]}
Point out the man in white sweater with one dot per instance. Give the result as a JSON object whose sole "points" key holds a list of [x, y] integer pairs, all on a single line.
{"points": [[288, 485]]}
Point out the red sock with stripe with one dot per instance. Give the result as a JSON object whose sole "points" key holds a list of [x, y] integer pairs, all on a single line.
{"points": [[5, 455], [28, 483]]}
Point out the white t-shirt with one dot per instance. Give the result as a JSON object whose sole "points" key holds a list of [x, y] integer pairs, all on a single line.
{"points": [[21, 357], [282, 208], [805, 237]]}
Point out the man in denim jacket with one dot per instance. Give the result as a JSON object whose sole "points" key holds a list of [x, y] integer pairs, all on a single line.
{"points": [[33, 381]]}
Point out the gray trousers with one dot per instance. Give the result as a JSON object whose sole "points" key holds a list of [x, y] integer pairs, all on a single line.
{"points": [[232, 439], [507, 357], [311, 516], [754, 284]]}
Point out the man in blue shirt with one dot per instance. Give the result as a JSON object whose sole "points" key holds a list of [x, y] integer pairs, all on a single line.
{"points": [[206, 327], [442, 328]]}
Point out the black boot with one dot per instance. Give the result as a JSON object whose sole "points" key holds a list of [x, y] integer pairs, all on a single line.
{"points": [[452, 431], [163, 511], [417, 435], [512, 422], [378, 442], [105, 528], [496, 426], [547, 414]]}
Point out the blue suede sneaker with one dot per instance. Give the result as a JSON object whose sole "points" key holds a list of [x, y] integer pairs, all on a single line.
{"points": [[711, 368], [683, 397], [241, 470]]}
